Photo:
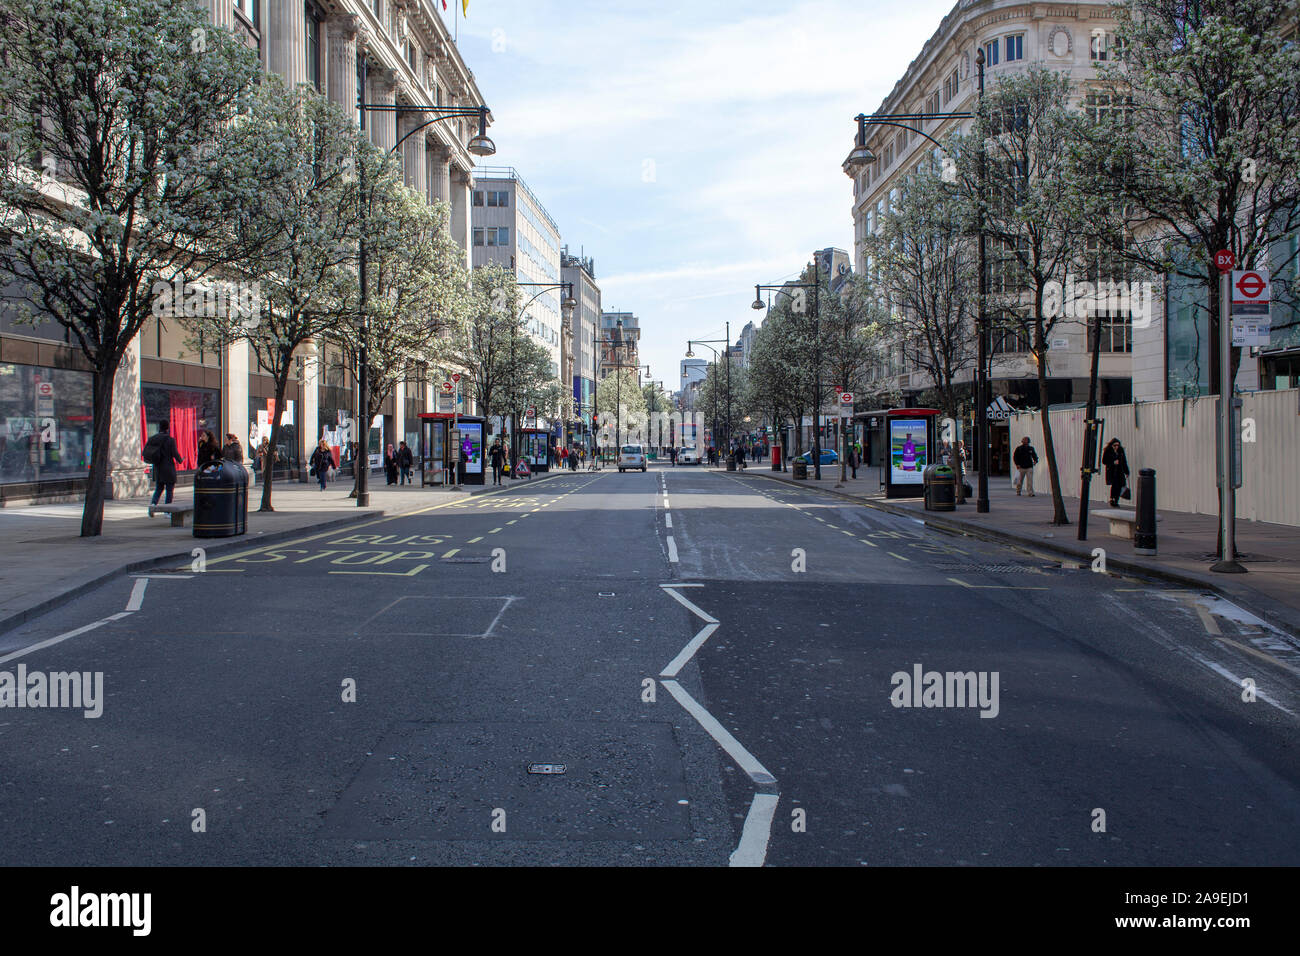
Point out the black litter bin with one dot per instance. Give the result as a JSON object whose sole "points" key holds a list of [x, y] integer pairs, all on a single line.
{"points": [[800, 468], [940, 484], [220, 500]]}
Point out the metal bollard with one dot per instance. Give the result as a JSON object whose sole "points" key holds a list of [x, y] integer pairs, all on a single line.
{"points": [[1144, 530]]}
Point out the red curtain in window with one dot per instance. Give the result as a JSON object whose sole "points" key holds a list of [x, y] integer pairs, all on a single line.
{"points": [[184, 428]]}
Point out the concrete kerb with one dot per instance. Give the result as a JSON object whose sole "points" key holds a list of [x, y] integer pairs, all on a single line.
{"points": [[184, 557], [1273, 612]]}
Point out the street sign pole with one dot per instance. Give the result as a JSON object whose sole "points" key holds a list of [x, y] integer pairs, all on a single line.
{"points": [[1227, 563]]}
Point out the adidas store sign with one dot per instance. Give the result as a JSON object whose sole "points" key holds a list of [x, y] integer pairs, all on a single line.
{"points": [[1000, 410]]}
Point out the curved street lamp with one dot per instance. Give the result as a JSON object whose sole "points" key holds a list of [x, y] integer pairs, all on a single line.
{"points": [[860, 156], [478, 145], [691, 354], [784, 289]]}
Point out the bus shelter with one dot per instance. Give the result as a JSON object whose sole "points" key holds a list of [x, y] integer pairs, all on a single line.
{"points": [[899, 443], [438, 449], [535, 447]]}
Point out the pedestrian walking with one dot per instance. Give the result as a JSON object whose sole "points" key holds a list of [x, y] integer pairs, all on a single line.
{"points": [[233, 450], [853, 460], [161, 452], [209, 450], [1025, 458], [390, 464], [405, 462], [321, 461], [1115, 462], [497, 458]]}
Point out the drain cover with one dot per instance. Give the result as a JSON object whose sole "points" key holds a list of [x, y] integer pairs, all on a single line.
{"points": [[546, 768], [991, 568]]}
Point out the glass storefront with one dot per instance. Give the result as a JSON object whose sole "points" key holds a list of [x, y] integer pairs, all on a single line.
{"points": [[189, 411], [45, 423]]}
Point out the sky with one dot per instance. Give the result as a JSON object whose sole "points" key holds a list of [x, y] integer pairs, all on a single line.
{"points": [[691, 149]]}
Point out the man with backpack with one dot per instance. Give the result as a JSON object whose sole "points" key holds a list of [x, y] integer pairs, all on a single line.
{"points": [[1025, 458], [161, 452]]}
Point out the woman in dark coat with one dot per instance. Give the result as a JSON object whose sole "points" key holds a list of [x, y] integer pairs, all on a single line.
{"points": [[1115, 462], [390, 465], [209, 450]]}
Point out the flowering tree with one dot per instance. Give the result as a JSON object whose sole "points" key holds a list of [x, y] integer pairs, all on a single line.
{"points": [[110, 175]]}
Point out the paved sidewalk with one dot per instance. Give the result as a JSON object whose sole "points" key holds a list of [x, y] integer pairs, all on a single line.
{"points": [[1270, 589], [44, 561]]}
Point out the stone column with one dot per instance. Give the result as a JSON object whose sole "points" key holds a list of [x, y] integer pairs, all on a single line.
{"points": [[127, 476], [462, 182], [383, 92], [414, 164], [341, 37], [441, 183], [286, 29], [236, 397], [223, 13], [309, 414], [399, 413]]}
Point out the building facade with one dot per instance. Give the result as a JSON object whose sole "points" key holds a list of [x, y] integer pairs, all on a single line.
{"points": [[580, 271], [512, 229], [620, 335], [1071, 38], [406, 55]]}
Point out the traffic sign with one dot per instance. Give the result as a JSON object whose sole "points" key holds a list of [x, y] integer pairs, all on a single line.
{"points": [[1224, 260], [45, 389], [455, 376], [846, 398], [447, 387], [1250, 292]]}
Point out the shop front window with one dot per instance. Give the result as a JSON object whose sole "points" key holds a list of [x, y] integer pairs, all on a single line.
{"points": [[189, 412], [45, 423]]}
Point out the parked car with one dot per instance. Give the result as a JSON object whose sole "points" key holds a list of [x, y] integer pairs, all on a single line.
{"points": [[632, 456], [690, 455], [829, 457]]}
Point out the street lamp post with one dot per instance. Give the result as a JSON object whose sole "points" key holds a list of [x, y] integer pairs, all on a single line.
{"points": [[478, 145], [690, 344], [862, 156], [567, 306], [815, 285]]}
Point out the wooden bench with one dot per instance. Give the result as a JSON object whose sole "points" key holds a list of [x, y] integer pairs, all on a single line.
{"points": [[1122, 522], [178, 513]]}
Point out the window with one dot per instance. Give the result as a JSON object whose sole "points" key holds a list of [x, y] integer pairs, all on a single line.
{"points": [[495, 198], [901, 143], [498, 236], [478, 197], [412, 57], [361, 92], [932, 102], [991, 49], [1097, 46], [478, 237], [313, 45], [249, 8], [1116, 333], [1007, 337], [950, 86], [1015, 47]]}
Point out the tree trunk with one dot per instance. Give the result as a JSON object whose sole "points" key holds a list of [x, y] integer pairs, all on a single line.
{"points": [[92, 513], [268, 460], [1059, 516]]}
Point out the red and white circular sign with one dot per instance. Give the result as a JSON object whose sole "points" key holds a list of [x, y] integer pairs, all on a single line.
{"points": [[45, 389], [455, 376], [1224, 260]]}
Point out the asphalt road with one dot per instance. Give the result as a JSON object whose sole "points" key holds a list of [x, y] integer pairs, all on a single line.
{"points": [[716, 661]]}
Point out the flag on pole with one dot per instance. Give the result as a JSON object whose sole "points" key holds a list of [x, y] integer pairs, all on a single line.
{"points": [[464, 5]]}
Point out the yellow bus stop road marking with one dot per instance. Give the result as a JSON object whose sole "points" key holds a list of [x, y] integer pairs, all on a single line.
{"points": [[475, 540], [451, 552], [388, 574]]}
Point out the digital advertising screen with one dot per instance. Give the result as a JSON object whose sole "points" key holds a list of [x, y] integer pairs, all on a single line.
{"points": [[907, 450], [471, 447]]}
